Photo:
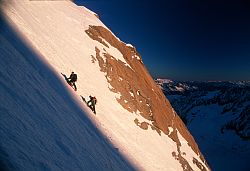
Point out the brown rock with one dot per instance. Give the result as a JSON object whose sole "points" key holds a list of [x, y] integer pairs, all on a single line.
{"points": [[139, 91]]}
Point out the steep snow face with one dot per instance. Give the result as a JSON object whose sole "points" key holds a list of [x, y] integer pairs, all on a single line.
{"points": [[45, 124], [217, 114]]}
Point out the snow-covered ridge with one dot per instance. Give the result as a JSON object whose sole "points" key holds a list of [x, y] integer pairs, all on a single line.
{"points": [[45, 125], [217, 114], [162, 81]]}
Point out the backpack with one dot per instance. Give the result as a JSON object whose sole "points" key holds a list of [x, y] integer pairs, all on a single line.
{"points": [[74, 78], [95, 100]]}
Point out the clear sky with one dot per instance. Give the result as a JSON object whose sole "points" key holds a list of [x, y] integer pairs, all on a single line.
{"points": [[183, 39]]}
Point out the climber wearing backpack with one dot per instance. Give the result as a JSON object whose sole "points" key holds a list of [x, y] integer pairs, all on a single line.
{"points": [[72, 79], [91, 103]]}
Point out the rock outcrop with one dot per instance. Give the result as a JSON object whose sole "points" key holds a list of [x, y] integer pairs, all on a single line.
{"points": [[138, 91]]}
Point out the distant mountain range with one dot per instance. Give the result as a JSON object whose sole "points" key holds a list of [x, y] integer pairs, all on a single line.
{"points": [[218, 116]]}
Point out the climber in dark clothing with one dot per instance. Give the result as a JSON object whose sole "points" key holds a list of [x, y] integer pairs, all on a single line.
{"points": [[91, 103], [72, 79]]}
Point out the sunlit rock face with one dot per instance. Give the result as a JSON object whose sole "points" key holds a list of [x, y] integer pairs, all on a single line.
{"points": [[138, 92]]}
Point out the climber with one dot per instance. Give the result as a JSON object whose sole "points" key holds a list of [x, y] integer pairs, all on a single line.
{"points": [[72, 79], [91, 103]]}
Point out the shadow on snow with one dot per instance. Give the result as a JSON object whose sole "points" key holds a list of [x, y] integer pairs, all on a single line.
{"points": [[41, 127]]}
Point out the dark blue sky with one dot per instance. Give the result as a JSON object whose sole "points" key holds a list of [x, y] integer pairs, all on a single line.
{"points": [[183, 40]]}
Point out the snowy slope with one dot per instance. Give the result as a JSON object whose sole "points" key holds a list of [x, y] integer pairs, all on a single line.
{"points": [[44, 123], [217, 114]]}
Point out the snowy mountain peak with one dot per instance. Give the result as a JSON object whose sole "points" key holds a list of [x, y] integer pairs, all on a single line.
{"points": [[135, 127]]}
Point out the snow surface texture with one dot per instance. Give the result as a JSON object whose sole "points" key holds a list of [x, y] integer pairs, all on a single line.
{"points": [[217, 114], [44, 124]]}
